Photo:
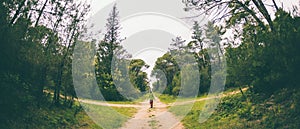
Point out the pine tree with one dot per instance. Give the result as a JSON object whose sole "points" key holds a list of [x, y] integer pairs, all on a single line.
{"points": [[197, 36], [109, 48], [177, 44]]}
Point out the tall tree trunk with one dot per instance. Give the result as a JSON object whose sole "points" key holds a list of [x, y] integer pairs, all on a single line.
{"points": [[58, 85], [60, 70]]}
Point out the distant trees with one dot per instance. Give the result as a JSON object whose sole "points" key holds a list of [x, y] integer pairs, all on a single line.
{"points": [[204, 49], [169, 68], [138, 77], [114, 66]]}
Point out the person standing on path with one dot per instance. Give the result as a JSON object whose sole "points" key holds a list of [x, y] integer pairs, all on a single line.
{"points": [[151, 100]]}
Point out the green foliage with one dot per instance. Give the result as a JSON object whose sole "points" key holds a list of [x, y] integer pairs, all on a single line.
{"points": [[204, 50], [15, 96], [137, 76], [109, 117], [167, 99], [35, 56], [237, 112], [118, 77], [54, 117], [268, 60], [169, 68]]}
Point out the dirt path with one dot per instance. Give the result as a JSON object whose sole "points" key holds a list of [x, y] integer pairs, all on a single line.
{"points": [[155, 118], [157, 102], [101, 103], [207, 98]]}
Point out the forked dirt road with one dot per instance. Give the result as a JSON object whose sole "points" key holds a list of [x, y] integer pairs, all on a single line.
{"points": [[154, 118]]}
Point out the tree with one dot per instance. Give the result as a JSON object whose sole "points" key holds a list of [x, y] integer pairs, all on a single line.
{"points": [[280, 57], [197, 38], [137, 76], [169, 68], [33, 46], [265, 45], [177, 45], [74, 29], [266, 60], [109, 49], [213, 41]]}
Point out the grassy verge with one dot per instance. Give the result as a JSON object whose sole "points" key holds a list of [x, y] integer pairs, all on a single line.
{"points": [[109, 117], [135, 101], [167, 99], [182, 110], [235, 111], [52, 117], [129, 112], [48, 117], [121, 102]]}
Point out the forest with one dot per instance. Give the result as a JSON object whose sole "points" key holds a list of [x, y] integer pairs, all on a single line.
{"points": [[48, 64]]}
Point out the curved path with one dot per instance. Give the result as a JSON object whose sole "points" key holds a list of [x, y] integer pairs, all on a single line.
{"points": [[157, 117], [157, 102]]}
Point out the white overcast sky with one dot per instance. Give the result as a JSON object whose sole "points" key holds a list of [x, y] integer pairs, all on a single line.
{"points": [[97, 4]]}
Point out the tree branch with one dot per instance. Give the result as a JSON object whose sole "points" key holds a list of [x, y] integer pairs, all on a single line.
{"points": [[262, 9], [18, 12], [276, 7]]}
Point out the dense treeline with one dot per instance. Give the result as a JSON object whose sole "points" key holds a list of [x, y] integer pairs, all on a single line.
{"points": [[267, 60], [37, 39], [262, 55], [205, 50]]}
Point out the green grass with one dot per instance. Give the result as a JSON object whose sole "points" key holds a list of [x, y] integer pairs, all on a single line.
{"points": [[235, 111], [135, 101], [48, 117], [109, 117], [191, 120], [282, 110], [129, 112], [182, 110], [52, 117], [167, 99], [121, 102]]}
